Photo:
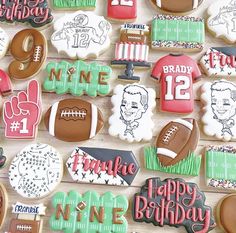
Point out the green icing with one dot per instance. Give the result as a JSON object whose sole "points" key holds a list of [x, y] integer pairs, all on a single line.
{"points": [[188, 166], [90, 198], [74, 4], [74, 84]]}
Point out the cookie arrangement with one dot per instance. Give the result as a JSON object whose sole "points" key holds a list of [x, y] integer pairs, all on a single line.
{"points": [[74, 119]]}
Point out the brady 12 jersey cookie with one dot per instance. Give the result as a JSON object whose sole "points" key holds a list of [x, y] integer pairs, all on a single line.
{"points": [[177, 73]]}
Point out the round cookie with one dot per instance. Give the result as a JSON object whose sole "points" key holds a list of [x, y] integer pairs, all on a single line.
{"points": [[5, 41], [36, 171], [226, 215], [3, 205]]}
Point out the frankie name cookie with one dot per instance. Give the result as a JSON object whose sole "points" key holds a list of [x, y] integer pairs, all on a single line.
{"points": [[72, 5], [219, 118], [133, 107], [3, 204], [36, 171], [81, 35]]}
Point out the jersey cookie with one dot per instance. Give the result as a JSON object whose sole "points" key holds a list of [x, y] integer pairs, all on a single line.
{"points": [[177, 33], [89, 213], [78, 78], [3, 204], [72, 5], [81, 35], [132, 113]]}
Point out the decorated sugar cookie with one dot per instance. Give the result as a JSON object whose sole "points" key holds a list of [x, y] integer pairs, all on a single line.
{"points": [[89, 213], [225, 213], [178, 33], [3, 205], [122, 10], [176, 74], [22, 114], [36, 171], [222, 21], [132, 113], [27, 63], [79, 4], [2, 158], [78, 78], [5, 83], [73, 120], [102, 166], [174, 150], [132, 50], [219, 99], [27, 218], [173, 202], [35, 12], [81, 35], [4, 42]]}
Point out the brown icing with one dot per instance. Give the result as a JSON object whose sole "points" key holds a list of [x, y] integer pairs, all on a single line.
{"points": [[28, 61], [3, 204], [116, 216], [127, 37], [65, 214], [23, 225], [99, 215]]}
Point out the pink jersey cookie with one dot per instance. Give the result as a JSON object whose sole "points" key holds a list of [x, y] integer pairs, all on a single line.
{"points": [[5, 83], [22, 113]]}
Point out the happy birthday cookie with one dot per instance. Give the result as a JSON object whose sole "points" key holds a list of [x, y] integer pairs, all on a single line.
{"points": [[3, 204], [89, 213], [222, 21], [133, 107], [178, 33], [173, 202], [36, 171], [72, 5], [219, 118], [81, 35]]}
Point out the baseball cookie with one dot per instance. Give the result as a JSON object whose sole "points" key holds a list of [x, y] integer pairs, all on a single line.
{"points": [[3, 204], [36, 171], [73, 5], [5, 41]]}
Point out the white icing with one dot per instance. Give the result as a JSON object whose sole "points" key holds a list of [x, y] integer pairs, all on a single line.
{"points": [[195, 4], [166, 152], [158, 3], [4, 42], [185, 123], [94, 122], [52, 119]]}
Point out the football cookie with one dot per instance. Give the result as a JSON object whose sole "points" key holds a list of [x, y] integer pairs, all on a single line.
{"points": [[73, 120], [5, 83], [3, 205], [28, 218], [102, 166], [89, 213], [222, 21], [81, 35], [178, 33], [133, 107], [225, 213], [177, 6], [73, 5], [36, 171], [173, 202], [78, 78], [177, 73], [219, 111], [4, 43]]}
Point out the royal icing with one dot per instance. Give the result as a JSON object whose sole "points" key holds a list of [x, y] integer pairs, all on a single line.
{"points": [[132, 112], [219, 99], [122, 10], [89, 213], [27, 63], [2, 158], [4, 42], [177, 32], [102, 166], [173, 202], [35, 12], [5, 83], [22, 114], [81, 35], [3, 204], [78, 78], [219, 62], [222, 20], [36, 171], [79, 4], [177, 73]]}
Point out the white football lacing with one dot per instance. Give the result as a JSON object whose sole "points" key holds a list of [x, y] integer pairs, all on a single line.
{"points": [[37, 53], [23, 228], [73, 113], [169, 133]]}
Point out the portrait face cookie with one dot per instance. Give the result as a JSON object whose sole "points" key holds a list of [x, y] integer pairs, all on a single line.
{"points": [[219, 118], [4, 43], [89, 213], [28, 218], [173, 202], [176, 74], [36, 171], [34, 12], [132, 113], [3, 204], [81, 35], [226, 216], [79, 4], [102, 166], [178, 33], [222, 21], [78, 78], [73, 120], [22, 114]]}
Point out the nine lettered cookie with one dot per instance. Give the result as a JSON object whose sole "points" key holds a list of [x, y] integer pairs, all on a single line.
{"points": [[36, 171], [133, 107], [3, 204], [81, 35]]}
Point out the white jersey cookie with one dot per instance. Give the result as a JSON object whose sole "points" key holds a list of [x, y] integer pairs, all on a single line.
{"points": [[219, 119], [132, 112], [81, 35]]}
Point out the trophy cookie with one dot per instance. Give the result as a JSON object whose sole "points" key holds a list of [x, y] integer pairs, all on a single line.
{"points": [[4, 204], [73, 5]]}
